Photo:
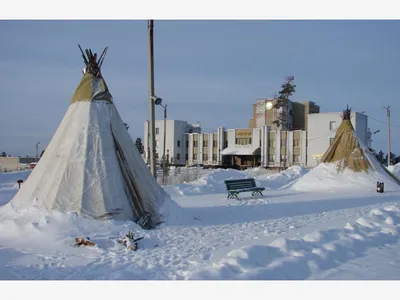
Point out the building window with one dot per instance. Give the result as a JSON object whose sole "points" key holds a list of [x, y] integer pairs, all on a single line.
{"points": [[283, 144], [331, 141], [157, 130], [332, 125], [205, 156], [226, 144], [187, 156], [214, 144], [243, 141], [271, 143], [178, 156], [187, 144], [178, 144], [271, 149], [296, 143], [271, 157], [195, 144], [205, 144], [283, 157], [296, 158], [195, 156], [214, 157]]}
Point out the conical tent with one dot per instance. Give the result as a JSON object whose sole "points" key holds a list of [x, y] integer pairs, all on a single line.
{"points": [[347, 153], [91, 166], [347, 150]]}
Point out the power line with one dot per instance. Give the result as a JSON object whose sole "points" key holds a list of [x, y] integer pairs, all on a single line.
{"points": [[383, 122], [321, 136]]}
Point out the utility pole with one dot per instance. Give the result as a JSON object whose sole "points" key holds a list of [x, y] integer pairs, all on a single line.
{"points": [[152, 130], [37, 151], [165, 138], [388, 116]]}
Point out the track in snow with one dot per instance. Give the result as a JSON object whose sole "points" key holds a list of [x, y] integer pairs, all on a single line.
{"points": [[181, 250]]}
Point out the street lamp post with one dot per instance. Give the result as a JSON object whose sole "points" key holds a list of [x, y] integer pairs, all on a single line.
{"points": [[168, 156], [37, 151], [159, 102]]}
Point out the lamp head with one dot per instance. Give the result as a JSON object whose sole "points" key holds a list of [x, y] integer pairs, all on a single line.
{"points": [[157, 100]]}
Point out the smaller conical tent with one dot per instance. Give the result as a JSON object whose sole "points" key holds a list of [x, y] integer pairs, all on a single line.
{"points": [[92, 166], [347, 154]]}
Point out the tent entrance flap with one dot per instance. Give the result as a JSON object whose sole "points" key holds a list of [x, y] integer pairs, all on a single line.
{"points": [[136, 203]]}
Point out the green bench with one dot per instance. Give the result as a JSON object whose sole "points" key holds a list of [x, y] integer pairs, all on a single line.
{"points": [[236, 186]]}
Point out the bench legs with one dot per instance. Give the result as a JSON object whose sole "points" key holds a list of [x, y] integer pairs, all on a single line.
{"points": [[233, 195], [257, 193]]}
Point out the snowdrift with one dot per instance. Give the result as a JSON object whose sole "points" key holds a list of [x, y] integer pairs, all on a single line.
{"points": [[213, 182], [395, 170], [325, 177], [299, 259]]}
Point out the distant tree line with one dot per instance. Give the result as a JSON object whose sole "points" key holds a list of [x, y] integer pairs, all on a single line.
{"points": [[383, 158]]}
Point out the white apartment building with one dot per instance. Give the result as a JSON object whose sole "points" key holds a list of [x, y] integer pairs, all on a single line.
{"points": [[322, 129], [246, 147], [175, 139]]}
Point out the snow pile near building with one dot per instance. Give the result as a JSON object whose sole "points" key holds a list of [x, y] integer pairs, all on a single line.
{"points": [[326, 177], [395, 170], [282, 179], [298, 259], [213, 182]]}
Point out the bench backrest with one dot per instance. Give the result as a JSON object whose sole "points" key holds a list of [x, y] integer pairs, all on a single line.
{"points": [[236, 184]]}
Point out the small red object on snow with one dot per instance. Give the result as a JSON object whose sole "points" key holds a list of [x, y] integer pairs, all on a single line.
{"points": [[19, 181]]}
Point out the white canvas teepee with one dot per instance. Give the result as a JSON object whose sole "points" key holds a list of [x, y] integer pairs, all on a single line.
{"points": [[91, 165], [347, 163]]}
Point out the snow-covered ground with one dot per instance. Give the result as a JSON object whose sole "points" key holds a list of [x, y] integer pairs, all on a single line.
{"points": [[286, 234], [395, 169]]}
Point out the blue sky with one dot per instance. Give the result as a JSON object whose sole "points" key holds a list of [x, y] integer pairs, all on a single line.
{"points": [[207, 71]]}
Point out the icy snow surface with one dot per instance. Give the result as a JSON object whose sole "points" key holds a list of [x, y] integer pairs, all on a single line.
{"points": [[287, 234]]}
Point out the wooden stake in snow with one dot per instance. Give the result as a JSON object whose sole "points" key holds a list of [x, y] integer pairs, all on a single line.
{"points": [[82, 242], [129, 241]]}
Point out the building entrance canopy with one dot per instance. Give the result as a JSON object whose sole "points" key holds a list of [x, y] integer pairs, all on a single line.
{"points": [[241, 150]]}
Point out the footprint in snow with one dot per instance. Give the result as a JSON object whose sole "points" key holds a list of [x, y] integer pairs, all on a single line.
{"points": [[206, 256]]}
